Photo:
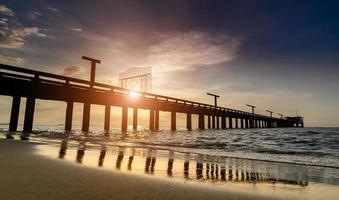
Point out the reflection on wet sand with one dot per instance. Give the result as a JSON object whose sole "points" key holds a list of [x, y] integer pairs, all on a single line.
{"points": [[102, 155], [80, 152], [150, 161], [218, 169]]}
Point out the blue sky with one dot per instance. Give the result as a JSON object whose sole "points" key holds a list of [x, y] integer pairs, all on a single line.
{"points": [[278, 55]]}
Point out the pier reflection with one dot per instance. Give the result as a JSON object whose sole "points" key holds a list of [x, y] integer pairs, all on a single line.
{"points": [[190, 166]]}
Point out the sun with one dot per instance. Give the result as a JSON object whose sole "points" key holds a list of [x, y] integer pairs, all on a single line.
{"points": [[133, 94]]}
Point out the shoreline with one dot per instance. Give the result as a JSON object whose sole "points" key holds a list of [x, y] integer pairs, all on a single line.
{"points": [[30, 175]]}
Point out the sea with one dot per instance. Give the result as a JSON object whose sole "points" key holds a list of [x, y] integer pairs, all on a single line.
{"points": [[287, 155]]}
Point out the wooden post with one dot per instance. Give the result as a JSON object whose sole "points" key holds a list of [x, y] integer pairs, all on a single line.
{"points": [[236, 123], [242, 123], [124, 118], [230, 123], [13, 124], [151, 119], [189, 121], [223, 122], [69, 116], [173, 121], [135, 118], [29, 114], [201, 121], [217, 121], [156, 123], [86, 117], [107, 117], [213, 121], [209, 121]]}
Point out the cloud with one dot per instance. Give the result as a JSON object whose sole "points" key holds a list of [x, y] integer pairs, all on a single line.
{"points": [[76, 29], [14, 38], [72, 70], [9, 59], [3, 21], [34, 14], [183, 50], [6, 11], [53, 9]]}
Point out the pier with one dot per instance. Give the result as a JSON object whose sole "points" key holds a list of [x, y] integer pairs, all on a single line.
{"points": [[31, 84]]}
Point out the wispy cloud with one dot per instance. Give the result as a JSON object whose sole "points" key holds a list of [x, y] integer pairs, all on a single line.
{"points": [[72, 70], [15, 38], [76, 29], [10, 59], [53, 9], [6, 11], [3, 21], [183, 50], [34, 15]]}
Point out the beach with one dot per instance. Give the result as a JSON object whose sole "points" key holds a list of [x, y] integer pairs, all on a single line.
{"points": [[27, 174]]}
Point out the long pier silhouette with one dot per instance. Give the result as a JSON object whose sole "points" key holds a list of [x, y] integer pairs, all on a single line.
{"points": [[31, 84]]}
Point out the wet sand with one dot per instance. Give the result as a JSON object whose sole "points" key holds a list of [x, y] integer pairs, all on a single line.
{"points": [[24, 174]]}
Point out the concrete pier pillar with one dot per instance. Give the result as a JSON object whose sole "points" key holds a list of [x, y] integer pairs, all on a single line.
{"points": [[251, 123], [86, 117], [29, 114], [217, 122], [223, 122], [213, 121], [151, 119], [209, 121], [69, 116], [248, 125], [189, 121], [135, 118], [107, 117], [242, 123], [201, 121], [173, 121], [13, 124], [156, 122], [230, 122], [124, 119], [236, 123]]}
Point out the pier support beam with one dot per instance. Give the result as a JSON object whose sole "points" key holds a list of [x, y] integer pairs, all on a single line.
{"points": [[29, 114], [107, 117], [86, 117], [201, 121], [173, 121], [213, 121], [156, 122], [69, 116], [217, 121], [135, 118], [13, 124], [236, 123], [124, 118], [230, 122], [223, 122], [209, 121], [151, 120], [242, 123], [189, 121]]}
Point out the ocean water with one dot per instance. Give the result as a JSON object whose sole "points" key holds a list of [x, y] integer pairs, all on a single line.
{"points": [[309, 146]]}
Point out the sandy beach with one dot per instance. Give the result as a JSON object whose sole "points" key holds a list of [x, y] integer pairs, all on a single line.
{"points": [[28, 175]]}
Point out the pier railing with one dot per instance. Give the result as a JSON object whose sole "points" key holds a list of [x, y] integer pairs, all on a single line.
{"points": [[44, 77]]}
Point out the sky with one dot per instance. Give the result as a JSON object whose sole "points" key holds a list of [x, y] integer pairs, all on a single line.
{"points": [[278, 55]]}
